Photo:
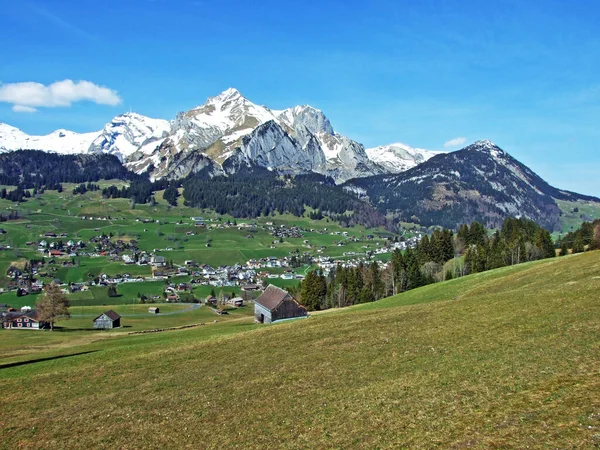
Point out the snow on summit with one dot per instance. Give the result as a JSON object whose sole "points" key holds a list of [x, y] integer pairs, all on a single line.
{"points": [[59, 141]]}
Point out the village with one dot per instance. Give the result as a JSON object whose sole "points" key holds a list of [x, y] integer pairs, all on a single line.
{"points": [[58, 250]]}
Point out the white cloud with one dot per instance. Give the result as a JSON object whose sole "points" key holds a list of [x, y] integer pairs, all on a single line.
{"points": [[22, 108], [27, 96], [456, 142]]}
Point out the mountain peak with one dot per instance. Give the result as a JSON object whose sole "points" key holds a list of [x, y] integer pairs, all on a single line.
{"points": [[227, 95], [484, 143]]}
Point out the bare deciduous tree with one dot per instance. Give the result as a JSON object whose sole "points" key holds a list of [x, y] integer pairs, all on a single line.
{"points": [[52, 305]]}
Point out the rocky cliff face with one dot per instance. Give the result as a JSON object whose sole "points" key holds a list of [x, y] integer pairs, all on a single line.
{"points": [[295, 140]]}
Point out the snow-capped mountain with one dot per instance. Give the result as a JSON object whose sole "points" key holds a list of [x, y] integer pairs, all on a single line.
{"points": [[129, 133], [396, 158], [123, 136], [59, 141], [295, 140], [480, 182], [298, 139]]}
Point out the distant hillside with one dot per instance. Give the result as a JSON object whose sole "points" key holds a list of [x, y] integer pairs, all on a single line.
{"points": [[503, 359], [33, 167], [481, 182]]}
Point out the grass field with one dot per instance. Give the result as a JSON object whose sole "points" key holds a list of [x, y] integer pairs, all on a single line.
{"points": [[504, 359], [575, 213]]}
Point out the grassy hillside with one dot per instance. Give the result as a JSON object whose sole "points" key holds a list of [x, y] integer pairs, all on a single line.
{"points": [[503, 359]]}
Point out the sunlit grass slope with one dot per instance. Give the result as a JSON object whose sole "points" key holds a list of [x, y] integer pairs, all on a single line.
{"points": [[504, 359]]}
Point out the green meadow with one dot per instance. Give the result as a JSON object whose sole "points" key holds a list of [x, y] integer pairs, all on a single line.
{"points": [[503, 359]]}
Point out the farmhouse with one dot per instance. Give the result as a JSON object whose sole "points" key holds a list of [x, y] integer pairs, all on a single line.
{"points": [[276, 304], [24, 320], [158, 261], [107, 320]]}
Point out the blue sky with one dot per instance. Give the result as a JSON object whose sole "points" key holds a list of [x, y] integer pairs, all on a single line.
{"points": [[525, 75]]}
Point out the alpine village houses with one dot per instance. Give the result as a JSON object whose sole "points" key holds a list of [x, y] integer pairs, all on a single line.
{"points": [[276, 304]]}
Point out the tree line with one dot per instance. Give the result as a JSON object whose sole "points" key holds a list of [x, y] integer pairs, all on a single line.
{"points": [[262, 193], [586, 237], [443, 255]]}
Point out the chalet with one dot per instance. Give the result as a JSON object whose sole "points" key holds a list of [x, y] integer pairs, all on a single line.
{"points": [[276, 304], [154, 310], [23, 320], [107, 320], [210, 300]]}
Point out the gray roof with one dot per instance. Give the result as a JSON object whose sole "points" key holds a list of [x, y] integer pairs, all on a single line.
{"points": [[271, 297], [112, 315]]}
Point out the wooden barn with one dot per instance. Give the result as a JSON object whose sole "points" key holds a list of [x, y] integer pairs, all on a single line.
{"points": [[276, 304], [24, 320], [107, 320]]}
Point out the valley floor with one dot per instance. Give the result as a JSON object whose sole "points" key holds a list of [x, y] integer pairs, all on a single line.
{"points": [[503, 359]]}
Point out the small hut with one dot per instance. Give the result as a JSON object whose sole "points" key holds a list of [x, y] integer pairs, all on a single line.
{"points": [[154, 310], [107, 320]]}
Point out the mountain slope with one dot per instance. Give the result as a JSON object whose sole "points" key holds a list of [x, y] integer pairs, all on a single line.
{"points": [[59, 141], [506, 358], [32, 168], [299, 140], [480, 182], [396, 158], [129, 133]]}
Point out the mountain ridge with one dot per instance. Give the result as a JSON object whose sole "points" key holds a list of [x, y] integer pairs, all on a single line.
{"points": [[479, 182], [215, 130]]}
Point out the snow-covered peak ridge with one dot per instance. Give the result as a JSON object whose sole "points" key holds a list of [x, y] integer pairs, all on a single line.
{"points": [[311, 118], [487, 146], [399, 157], [59, 141], [227, 95], [128, 133]]}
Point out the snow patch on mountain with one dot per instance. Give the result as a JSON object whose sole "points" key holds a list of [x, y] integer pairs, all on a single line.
{"points": [[59, 141], [398, 157]]}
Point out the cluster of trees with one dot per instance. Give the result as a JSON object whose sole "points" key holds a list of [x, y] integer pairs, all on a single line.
{"points": [[13, 215], [171, 194], [519, 240], [343, 287], [140, 190], [83, 188], [586, 237], [263, 193], [32, 168], [16, 195]]}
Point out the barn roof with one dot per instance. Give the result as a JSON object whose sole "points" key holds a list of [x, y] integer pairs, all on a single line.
{"points": [[271, 297], [112, 315]]}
